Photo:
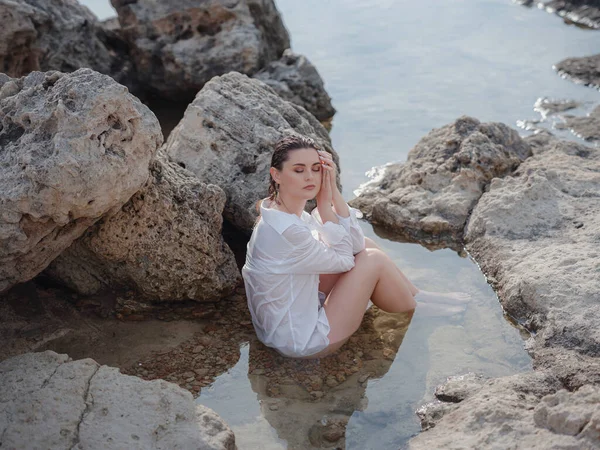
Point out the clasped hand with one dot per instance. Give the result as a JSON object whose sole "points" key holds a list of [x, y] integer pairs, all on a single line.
{"points": [[328, 179]]}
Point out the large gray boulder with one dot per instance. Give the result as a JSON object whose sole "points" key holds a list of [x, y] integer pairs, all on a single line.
{"points": [[535, 235], [177, 46], [521, 411], [296, 80], [42, 35], [227, 137], [430, 196], [49, 401], [165, 243], [73, 147]]}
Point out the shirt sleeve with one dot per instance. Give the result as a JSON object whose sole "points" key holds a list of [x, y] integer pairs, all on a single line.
{"points": [[350, 224], [331, 254]]}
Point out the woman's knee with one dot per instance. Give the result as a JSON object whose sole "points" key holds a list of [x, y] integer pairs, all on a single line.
{"points": [[371, 259], [370, 243]]}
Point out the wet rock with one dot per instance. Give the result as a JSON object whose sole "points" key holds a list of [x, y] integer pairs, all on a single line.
{"points": [[547, 107], [536, 234], [502, 412], [165, 243], [178, 47], [296, 80], [430, 413], [227, 136], [582, 12], [583, 70], [587, 127], [73, 147], [50, 401], [42, 35], [430, 196], [459, 387]]}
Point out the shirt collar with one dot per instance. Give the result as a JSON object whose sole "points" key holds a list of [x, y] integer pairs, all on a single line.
{"points": [[279, 220]]}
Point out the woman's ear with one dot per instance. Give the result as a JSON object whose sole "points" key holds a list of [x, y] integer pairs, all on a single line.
{"points": [[274, 174]]}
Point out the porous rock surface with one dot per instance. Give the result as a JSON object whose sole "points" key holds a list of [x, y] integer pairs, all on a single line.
{"points": [[165, 243], [536, 236], [295, 79], [177, 46], [42, 35], [526, 410], [73, 147], [48, 400], [227, 136], [431, 195]]}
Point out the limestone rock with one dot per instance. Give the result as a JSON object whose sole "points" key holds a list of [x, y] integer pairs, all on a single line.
{"points": [[49, 401], [165, 243], [42, 35], [459, 387], [430, 413], [227, 137], [73, 147], [536, 234], [430, 196], [177, 46], [573, 414], [520, 411], [296, 80]]}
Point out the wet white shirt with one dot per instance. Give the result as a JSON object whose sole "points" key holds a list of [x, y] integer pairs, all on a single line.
{"points": [[284, 258]]}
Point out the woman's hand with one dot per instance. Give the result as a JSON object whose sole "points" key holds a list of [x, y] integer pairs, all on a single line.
{"points": [[325, 195], [329, 167]]}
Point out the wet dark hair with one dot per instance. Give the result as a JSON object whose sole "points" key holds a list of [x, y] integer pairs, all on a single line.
{"points": [[281, 154]]}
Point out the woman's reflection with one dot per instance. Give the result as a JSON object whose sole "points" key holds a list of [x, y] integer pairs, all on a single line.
{"points": [[309, 402]]}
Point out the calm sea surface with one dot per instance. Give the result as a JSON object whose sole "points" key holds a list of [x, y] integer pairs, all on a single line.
{"points": [[395, 70]]}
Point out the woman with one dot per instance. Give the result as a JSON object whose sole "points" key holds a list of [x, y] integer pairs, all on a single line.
{"points": [[309, 277]]}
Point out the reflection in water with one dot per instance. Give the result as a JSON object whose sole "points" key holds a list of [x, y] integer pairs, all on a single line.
{"points": [[309, 402]]}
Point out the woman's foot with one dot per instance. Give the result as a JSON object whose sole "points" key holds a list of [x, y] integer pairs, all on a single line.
{"points": [[447, 298], [439, 309]]}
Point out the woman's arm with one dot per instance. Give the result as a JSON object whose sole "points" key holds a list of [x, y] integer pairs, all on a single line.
{"points": [[340, 206]]}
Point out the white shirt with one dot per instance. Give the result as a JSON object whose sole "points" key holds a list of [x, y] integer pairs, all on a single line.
{"points": [[285, 256]]}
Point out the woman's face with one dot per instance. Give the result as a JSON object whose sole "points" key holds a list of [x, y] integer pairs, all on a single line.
{"points": [[300, 175]]}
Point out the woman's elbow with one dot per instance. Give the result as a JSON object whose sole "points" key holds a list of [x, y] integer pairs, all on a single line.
{"points": [[348, 264]]}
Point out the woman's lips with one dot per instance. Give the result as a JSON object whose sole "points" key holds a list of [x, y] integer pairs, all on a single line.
{"points": [[312, 186]]}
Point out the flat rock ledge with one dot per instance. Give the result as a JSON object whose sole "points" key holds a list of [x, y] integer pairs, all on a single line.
{"points": [[528, 410], [430, 196], [48, 400], [227, 136]]}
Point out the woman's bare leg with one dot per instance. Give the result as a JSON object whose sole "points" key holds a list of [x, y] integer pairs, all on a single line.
{"points": [[370, 243], [374, 276], [327, 281], [428, 297]]}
